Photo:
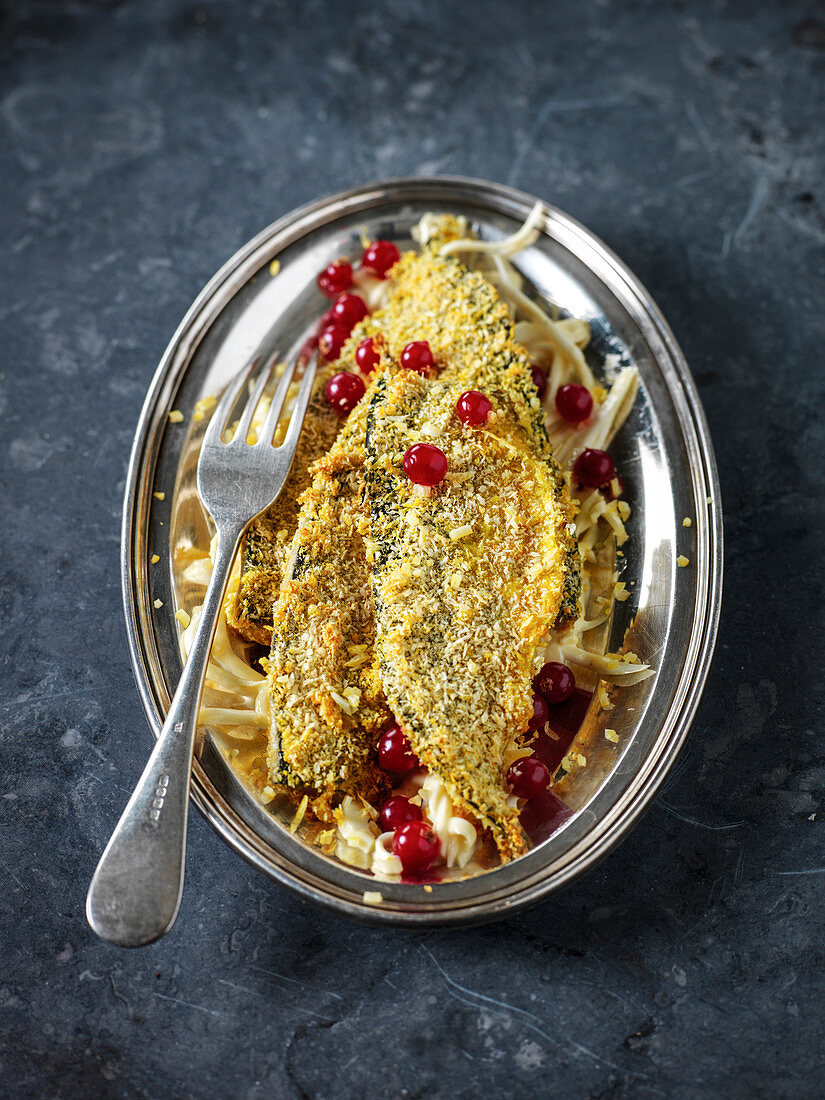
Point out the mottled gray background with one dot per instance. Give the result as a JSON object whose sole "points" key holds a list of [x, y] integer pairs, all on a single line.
{"points": [[140, 145]]}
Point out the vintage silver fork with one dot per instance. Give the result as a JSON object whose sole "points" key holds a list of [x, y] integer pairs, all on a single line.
{"points": [[135, 893]]}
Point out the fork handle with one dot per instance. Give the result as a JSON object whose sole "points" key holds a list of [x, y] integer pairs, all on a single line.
{"points": [[135, 893]]}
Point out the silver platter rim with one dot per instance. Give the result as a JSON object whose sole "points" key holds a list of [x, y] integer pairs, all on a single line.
{"points": [[614, 827]]}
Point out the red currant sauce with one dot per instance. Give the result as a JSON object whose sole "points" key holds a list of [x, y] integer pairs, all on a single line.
{"points": [[542, 816], [540, 713], [565, 721], [423, 878], [550, 752], [567, 717]]}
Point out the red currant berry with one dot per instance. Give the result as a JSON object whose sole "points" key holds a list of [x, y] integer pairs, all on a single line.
{"points": [[397, 811], [539, 381], [324, 321], [555, 682], [394, 752], [425, 464], [348, 310], [417, 356], [335, 278], [380, 257], [574, 403], [528, 777], [540, 713], [593, 468], [343, 391], [473, 408], [367, 356], [330, 342], [416, 845]]}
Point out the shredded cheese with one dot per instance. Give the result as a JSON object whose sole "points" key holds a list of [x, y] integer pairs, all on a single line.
{"points": [[299, 814], [462, 531]]}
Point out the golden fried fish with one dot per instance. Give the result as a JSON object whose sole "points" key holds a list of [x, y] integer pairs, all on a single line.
{"points": [[327, 702], [466, 581]]}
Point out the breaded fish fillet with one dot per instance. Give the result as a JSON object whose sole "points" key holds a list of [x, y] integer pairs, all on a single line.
{"points": [[465, 581], [327, 702]]}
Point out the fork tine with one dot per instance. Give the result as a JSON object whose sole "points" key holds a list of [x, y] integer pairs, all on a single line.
{"points": [[245, 422], [214, 431], [296, 421], [278, 398]]}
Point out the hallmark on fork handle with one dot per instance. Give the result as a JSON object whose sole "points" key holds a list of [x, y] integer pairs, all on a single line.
{"points": [[157, 802]]}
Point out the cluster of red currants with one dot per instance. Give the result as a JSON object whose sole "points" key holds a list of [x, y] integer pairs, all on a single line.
{"points": [[414, 840], [555, 683], [345, 389]]}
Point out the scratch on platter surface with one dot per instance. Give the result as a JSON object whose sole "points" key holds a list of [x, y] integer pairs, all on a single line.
{"points": [[189, 1004], [529, 1020], [693, 821]]}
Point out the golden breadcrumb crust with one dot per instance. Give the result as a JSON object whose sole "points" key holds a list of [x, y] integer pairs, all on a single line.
{"points": [[465, 581]]}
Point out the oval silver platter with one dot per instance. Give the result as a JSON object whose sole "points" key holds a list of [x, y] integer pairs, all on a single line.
{"points": [[663, 452]]}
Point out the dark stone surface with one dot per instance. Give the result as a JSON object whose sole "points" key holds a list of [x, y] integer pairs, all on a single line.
{"points": [[140, 145]]}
